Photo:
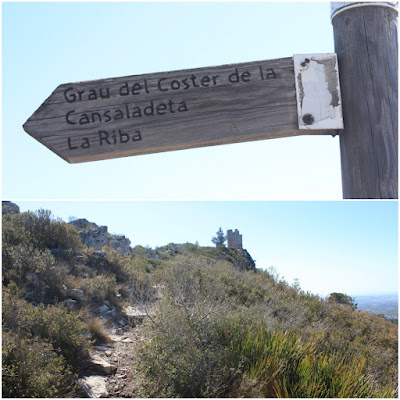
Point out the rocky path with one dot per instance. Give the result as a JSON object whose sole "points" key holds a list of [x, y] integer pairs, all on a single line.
{"points": [[112, 371]]}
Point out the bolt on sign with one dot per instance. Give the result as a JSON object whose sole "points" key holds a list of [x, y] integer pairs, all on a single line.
{"points": [[150, 113]]}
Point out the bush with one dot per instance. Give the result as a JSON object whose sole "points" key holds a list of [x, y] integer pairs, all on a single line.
{"points": [[115, 271], [35, 271], [186, 357], [204, 343], [103, 287], [109, 263], [96, 328], [363, 335], [40, 229], [31, 368], [54, 324], [280, 364]]}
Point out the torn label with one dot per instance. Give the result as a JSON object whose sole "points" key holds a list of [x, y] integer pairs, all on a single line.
{"points": [[318, 91]]}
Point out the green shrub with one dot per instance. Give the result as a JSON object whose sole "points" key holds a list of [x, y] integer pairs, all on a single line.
{"points": [[103, 287], [28, 243], [31, 368], [109, 263], [123, 266], [204, 343], [40, 229], [364, 335], [21, 259], [280, 364], [114, 271], [36, 271], [186, 357], [64, 330]]}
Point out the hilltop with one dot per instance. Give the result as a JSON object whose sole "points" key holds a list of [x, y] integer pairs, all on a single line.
{"points": [[181, 320]]}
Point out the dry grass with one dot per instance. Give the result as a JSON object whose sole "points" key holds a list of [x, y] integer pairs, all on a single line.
{"points": [[96, 328]]}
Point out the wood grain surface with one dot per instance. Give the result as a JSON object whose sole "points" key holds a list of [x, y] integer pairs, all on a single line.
{"points": [[141, 114], [367, 50]]}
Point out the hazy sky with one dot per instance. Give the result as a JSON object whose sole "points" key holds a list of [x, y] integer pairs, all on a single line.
{"points": [[47, 44], [342, 246]]}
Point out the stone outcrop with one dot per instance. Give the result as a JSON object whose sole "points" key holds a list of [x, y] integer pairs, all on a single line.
{"points": [[9, 208], [83, 224], [96, 237], [245, 261], [240, 258]]}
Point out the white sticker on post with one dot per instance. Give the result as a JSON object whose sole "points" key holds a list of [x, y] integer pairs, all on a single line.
{"points": [[319, 104]]}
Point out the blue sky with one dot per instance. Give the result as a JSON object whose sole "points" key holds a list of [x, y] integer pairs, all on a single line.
{"points": [[330, 246], [47, 44], [343, 246]]}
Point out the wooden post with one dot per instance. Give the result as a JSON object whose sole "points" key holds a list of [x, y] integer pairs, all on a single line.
{"points": [[365, 37]]}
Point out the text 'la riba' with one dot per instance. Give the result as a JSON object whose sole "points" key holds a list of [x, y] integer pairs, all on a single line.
{"points": [[104, 138]]}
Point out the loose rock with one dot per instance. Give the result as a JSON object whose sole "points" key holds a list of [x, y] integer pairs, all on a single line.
{"points": [[102, 365], [94, 386], [77, 294], [70, 304], [103, 309]]}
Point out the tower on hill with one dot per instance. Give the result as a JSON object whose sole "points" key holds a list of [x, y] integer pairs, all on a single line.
{"points": [[234, 239]]}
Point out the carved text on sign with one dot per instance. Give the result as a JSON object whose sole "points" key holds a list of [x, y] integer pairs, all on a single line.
{"points": [[156, 112]]}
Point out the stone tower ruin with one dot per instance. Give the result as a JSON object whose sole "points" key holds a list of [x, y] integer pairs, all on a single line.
{"points": [[234, 239]]}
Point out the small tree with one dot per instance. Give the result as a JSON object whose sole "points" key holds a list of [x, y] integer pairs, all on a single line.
{"points": [[343, 299], [220, 239]]}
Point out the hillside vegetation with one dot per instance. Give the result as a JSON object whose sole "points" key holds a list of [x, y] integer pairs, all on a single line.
{"points": [[218, 327]]}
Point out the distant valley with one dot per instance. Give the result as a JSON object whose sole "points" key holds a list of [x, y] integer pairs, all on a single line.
{"points": [[386, 304]]}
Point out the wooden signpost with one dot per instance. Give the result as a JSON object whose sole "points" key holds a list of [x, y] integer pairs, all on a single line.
{"points": [[300, 95], [142, 114], [366, 43]]}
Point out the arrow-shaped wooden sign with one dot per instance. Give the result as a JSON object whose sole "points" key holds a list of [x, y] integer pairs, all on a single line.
{"points": [[150, 113]]}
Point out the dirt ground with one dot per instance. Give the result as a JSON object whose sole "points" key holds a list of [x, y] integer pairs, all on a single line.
{"points": [[121, 353], [126, 381]]}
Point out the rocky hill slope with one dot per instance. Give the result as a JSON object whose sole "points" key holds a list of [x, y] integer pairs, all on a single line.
{"points": [[96, 237], [84, 314]]}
